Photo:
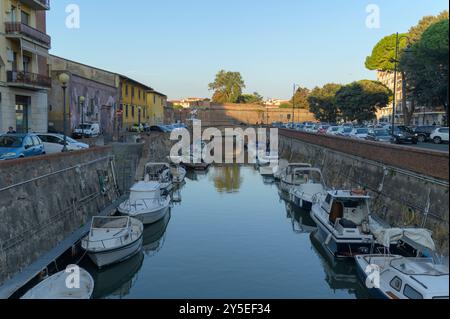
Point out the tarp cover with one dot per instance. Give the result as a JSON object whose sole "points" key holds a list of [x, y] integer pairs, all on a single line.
{"points": [[419, 236]]}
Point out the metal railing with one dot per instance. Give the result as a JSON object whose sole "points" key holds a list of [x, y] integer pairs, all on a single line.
{"points": [[24, 29], [142, 203], [28, 78]]}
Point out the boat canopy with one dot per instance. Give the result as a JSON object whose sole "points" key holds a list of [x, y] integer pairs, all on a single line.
{"points": [[413, 236]]}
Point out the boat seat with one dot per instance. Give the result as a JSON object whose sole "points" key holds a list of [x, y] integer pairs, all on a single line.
{"points": [[347, 223]]}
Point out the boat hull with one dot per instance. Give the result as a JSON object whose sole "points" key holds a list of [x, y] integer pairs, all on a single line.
{"points": [[373, 292], [341, 247], [302, 203], [114, 256]]}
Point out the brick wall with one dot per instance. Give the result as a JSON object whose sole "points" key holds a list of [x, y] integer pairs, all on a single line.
{"points": [[426, 162]]}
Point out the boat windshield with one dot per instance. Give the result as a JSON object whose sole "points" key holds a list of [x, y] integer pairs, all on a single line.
{"points": [[307, 177], [110, 222], [419, 266]]}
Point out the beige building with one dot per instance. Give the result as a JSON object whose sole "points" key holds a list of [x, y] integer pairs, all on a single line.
{"points": [[422, 115], [192, 102], [24, 77]]}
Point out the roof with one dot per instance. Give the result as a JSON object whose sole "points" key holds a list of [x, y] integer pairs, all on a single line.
{"points": [[347, 193], [151, 186], [158, 93], [135, 82]]}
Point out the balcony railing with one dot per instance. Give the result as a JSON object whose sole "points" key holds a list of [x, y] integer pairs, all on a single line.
{"points": [[26, 30], [37, 4], [30, 79]]}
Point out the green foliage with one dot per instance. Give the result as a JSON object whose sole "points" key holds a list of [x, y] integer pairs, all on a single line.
{"points": [[285, 106], [300, 98], [426, 66], [177, 107], [415, 32], [383, 54], [322, 102], [359, 101], [254, 98], [227, 87]]}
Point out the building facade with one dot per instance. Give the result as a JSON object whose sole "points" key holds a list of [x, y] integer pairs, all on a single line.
{"points": [[133, 106], [24, 75], [156, 103], [422, 115], [192, 102], [99, 88]]}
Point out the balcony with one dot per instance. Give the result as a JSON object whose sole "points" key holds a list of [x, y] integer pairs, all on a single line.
{"points": [[28, 80], [15, 29], [37, 4]]}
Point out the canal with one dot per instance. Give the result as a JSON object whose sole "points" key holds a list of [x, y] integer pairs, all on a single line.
{"points": [[231, 236]]}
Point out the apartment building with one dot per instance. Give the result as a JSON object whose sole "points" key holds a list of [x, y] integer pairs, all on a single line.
{"points": [[156, 103], [24, 76]]}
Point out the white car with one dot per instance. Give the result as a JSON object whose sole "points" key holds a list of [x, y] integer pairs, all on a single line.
{"points": [[360, 133], [440, 135], [87, 129], [333, 130], [54, 143]]}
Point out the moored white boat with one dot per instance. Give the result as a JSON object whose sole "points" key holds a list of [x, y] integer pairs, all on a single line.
{"points": [[342, 218], [398, 277], [146, 203], [291, 177], [72, 283], [311, 190], [113, 239], [161, 173]]}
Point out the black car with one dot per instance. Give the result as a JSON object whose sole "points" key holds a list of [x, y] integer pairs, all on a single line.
{"points": [[379, 135], [403, 134], [424, 132]]}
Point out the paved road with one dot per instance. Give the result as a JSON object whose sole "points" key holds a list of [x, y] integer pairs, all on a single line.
{"points": [[432, 146]]}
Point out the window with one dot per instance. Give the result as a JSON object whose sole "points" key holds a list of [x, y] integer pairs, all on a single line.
{"points": [[126, 110], [28, 142], [396, 283], [36, 141], [132, 91], [154, 99], [328, 199], [444, 130], [126, 90], [26, 64], [139, 93], [411, 293], [132, 111], [13, 14], [25, 18]]}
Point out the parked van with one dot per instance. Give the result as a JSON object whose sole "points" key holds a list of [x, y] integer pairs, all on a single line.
{"points": [[87, 130]]}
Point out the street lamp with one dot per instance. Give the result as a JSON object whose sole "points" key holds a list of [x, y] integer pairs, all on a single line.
{"points": [[64, 80], [81, 100], [395, 60]]}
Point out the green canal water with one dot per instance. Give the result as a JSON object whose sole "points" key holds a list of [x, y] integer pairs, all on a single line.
{"points": [[231, 236]]}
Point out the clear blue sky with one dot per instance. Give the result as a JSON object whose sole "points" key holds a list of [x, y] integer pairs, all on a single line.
{"points": [[177, 46]]}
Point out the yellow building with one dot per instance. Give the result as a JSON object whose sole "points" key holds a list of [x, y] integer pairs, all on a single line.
{"points": [[156, 103], [133, 103]]}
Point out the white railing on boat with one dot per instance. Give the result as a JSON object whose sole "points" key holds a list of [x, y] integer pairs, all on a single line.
{"points": [[86, 242], [127, 205]]}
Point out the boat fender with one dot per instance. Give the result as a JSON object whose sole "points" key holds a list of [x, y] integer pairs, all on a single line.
{"points": [[327, 241]]}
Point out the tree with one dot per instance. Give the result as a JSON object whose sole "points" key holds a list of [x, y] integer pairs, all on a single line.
{"points": [[359, 101], [301, 98], [383, 54], [254, 98], [322, 102], [426, 66], [227, 87], [415, 32]]}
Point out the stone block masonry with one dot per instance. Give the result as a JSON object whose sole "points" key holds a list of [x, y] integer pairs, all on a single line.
{"points": [[403, 193], [45, 199]]}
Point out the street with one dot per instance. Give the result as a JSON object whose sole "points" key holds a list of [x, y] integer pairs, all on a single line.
{"points": [[432, 146]]}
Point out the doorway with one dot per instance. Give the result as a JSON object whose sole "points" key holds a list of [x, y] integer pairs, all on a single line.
{"points": [[22, 109]]}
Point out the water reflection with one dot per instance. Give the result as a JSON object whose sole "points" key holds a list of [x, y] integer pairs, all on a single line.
{"points": [[340, 274], [154, 235], [227, 179], [301, 219], [198, 175], [115, 281]]}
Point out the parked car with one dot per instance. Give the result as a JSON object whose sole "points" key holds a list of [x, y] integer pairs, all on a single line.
{"points": [[136, 128], [323, 128], [344, 131], [333, 130], [54, 143], [360, 133], [87, 130], [402, 134], [13, 146], [277, 124], [440, 135], [424, 132], [379, 135]]}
